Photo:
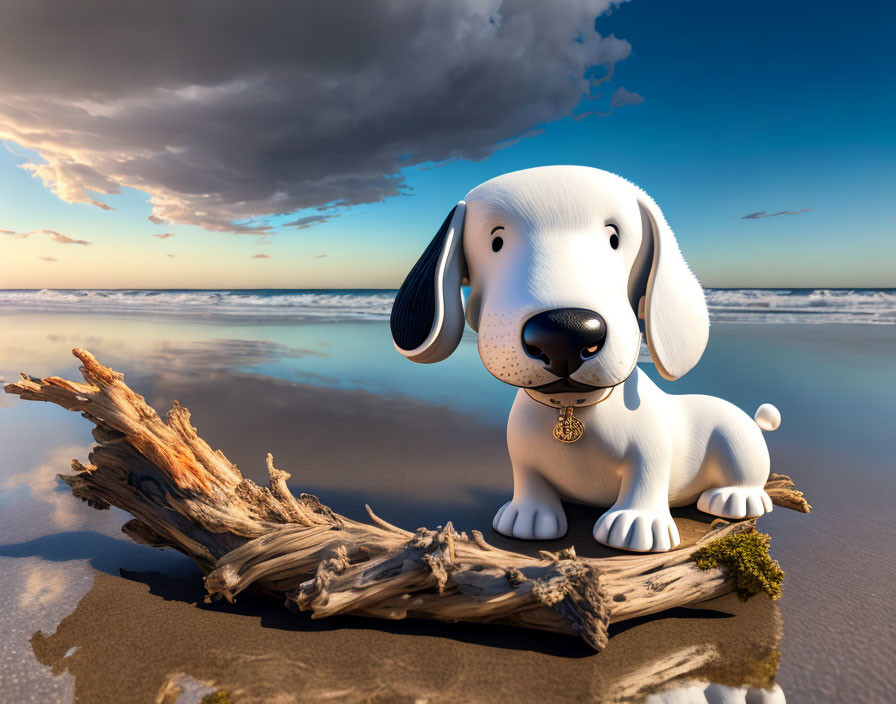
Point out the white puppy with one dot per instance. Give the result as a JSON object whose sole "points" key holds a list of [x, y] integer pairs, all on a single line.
{"points": [[565, 265]]}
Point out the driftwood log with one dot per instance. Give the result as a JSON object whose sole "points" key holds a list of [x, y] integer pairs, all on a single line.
{"points": [[187, 496]]}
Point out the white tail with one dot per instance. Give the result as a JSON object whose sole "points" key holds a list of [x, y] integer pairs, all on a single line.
{"points": [[767, 417]]}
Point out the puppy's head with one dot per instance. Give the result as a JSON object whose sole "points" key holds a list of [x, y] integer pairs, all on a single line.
{"points": [[562, 261]]}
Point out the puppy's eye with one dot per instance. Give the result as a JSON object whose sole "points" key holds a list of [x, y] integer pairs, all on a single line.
{"points": [[497, 242], [613, 232]]}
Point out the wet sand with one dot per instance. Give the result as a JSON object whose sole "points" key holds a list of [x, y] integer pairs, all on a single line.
{"points": [[139, 632], [259, 653], [136, 633]]}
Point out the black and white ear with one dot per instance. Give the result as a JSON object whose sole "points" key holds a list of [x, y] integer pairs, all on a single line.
{"points": [[676, 320], [428, 314]]}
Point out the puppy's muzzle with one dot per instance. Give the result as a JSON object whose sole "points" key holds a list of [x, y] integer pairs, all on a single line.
{"points": [[564, 338]]}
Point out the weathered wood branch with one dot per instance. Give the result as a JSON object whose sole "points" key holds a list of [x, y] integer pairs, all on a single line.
{"points": [[187, 496]]}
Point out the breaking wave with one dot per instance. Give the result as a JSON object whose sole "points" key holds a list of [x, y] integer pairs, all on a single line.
{"points": [[300, 304], [803, 305], [725, 305]]}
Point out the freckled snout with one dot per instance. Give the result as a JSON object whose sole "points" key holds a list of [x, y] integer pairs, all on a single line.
{"points": [[564, 338]]}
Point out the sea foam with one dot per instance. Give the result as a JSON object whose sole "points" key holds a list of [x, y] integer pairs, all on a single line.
{"points": [[725, 305]]}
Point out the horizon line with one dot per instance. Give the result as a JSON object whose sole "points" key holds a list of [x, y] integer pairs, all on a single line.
{"points": [[364, 288]]}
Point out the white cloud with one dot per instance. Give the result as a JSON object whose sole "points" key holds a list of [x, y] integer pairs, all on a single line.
{"points": [[51, 234], [64, 239], [308, 221], [623, 97]]}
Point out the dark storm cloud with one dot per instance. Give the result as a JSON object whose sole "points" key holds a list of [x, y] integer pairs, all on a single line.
{"points": [[227, 111], [763, 214]]}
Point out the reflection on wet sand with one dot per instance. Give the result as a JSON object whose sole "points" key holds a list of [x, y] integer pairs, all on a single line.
{"points": [[325, 354], [132, 638], [421, 463], [43, 485], [147, 637], [699, 692]]}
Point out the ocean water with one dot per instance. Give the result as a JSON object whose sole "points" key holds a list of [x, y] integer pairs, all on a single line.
{"points": [[313, 377], [873, 306]]}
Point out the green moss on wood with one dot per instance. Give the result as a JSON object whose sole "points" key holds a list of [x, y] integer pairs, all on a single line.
{"points": [[746, 557], [222, 696]]}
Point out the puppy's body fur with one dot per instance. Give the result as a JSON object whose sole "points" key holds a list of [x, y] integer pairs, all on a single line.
{"points": [[573, 237], [642, 451]]}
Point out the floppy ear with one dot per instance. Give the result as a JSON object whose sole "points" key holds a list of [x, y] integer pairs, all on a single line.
{"points": [[428, 314], [676, 321]]}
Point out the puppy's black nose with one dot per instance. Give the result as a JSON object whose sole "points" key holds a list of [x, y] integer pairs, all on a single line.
{"points": [[564, 338]]}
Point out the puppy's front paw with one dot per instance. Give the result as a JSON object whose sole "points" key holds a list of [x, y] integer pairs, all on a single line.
{"points": [[637, 529], [735, 502], [530, 520]]}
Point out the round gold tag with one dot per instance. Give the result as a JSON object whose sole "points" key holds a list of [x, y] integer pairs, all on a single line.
{"points": [[568, 428]]}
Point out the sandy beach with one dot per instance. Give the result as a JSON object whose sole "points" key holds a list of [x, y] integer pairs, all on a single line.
{"points": [[100, 619], [340, 240]]}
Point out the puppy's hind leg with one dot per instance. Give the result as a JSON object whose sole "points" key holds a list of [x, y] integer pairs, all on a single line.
{"points": [[735, 502], [736, 469], [535, 513]]}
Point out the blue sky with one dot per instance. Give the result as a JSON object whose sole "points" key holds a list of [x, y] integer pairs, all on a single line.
{"points": [[767, 107]]}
